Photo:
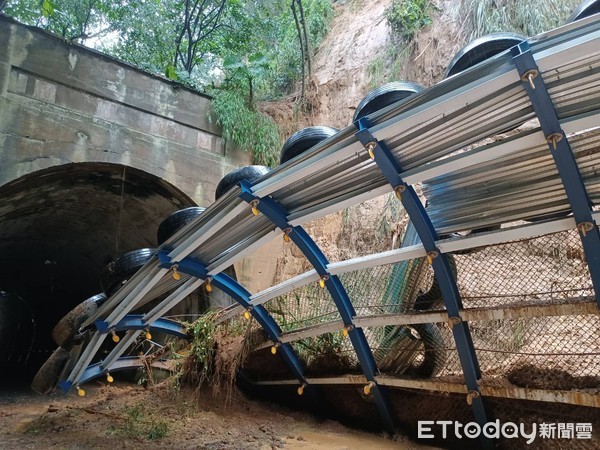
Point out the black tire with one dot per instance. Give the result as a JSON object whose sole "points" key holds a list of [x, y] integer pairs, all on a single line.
{"points": [[434, 355], [46, 378], [585, 9], [482, 49], [176, 222], [433, 296], [74, 355], [250, 173], [417, 350], [384, 96], [303, 140], [116, 273], [66, 329]]}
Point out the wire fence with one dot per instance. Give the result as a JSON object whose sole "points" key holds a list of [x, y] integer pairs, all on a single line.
{"points": [[544, 348]]}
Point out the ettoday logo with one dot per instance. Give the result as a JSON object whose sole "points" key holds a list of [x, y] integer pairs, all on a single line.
{"points": [[429, 429]]}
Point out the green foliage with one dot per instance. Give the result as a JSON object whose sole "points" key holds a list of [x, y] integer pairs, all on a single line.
{"points": [[251, 53], [265, 64], [47, 8], [527, 18], [202, 333], [267, 28], [158, 430], [406, 17], [74, 20], [318, 16], [387, 65], [325, 344], [247, 128], [138, 425]]}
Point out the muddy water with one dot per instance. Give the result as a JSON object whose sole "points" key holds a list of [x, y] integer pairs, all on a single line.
{"points": [[328, 440]]}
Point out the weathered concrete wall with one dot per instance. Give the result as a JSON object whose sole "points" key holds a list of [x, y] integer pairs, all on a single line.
{"points": [[62, 103], [94, 155]]}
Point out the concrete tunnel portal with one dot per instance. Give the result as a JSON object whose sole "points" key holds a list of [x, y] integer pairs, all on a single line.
{"points": [[60, 227], [95, 155]]}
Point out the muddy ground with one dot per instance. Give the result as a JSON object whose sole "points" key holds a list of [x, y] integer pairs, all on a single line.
{"points": [[130, 416]]}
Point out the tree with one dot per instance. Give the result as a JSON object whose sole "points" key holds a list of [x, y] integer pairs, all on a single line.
{"points": [[240, 51], [198, 22], [73, 20]]}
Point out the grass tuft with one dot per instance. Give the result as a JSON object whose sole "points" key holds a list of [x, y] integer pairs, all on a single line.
{"points": [[525, 17]]}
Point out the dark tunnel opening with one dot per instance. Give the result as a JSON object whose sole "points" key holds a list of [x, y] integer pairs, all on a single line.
{"points": [[59, 227]]}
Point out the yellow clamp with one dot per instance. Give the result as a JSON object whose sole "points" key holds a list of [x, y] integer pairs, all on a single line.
{"points": [[370, 147], [274, 348], [115, 336], [148, 336], [247, 314], [584, 227], [472, 395], [367, 389], [207, 285], [554, 139], [398, 190], [431, 256], [80, 392], [176, 274], [322, 281], [301, 389], [286, 235], [454, 320], [530, 76], [109, 378], [347, 330], [254, 205]]}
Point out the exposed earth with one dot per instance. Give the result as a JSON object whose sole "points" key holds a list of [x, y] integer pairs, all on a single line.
{"points": [[130, 416]]}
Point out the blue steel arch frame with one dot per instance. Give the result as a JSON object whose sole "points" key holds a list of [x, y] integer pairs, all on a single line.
{"points": [[136, 322], [130, 322], [563, 158], [231, 287], [224, 282], [96, 370], [390, 168], [278, 216]]}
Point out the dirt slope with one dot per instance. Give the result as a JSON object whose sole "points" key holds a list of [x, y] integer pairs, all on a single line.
{"points": [[359, 36]]}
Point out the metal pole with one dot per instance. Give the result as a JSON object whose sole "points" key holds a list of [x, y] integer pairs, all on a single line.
{"points": [[460, 329]]}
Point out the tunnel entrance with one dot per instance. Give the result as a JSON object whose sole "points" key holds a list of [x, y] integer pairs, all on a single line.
{"points": [[58, 229]]}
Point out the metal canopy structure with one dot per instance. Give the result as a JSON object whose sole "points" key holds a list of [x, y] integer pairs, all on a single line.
{"points": [[438, 139]]}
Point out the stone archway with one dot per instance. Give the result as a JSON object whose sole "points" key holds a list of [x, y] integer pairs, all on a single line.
{"points": [[60, 226]]}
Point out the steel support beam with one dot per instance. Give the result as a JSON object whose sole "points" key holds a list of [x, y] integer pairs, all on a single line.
{"points": [[278, 216], [561, 151], [125, 363], [573, 397], [404, 254], [242, 296], [137, 322], [569, 307], [132, 322], [390, 168]]}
